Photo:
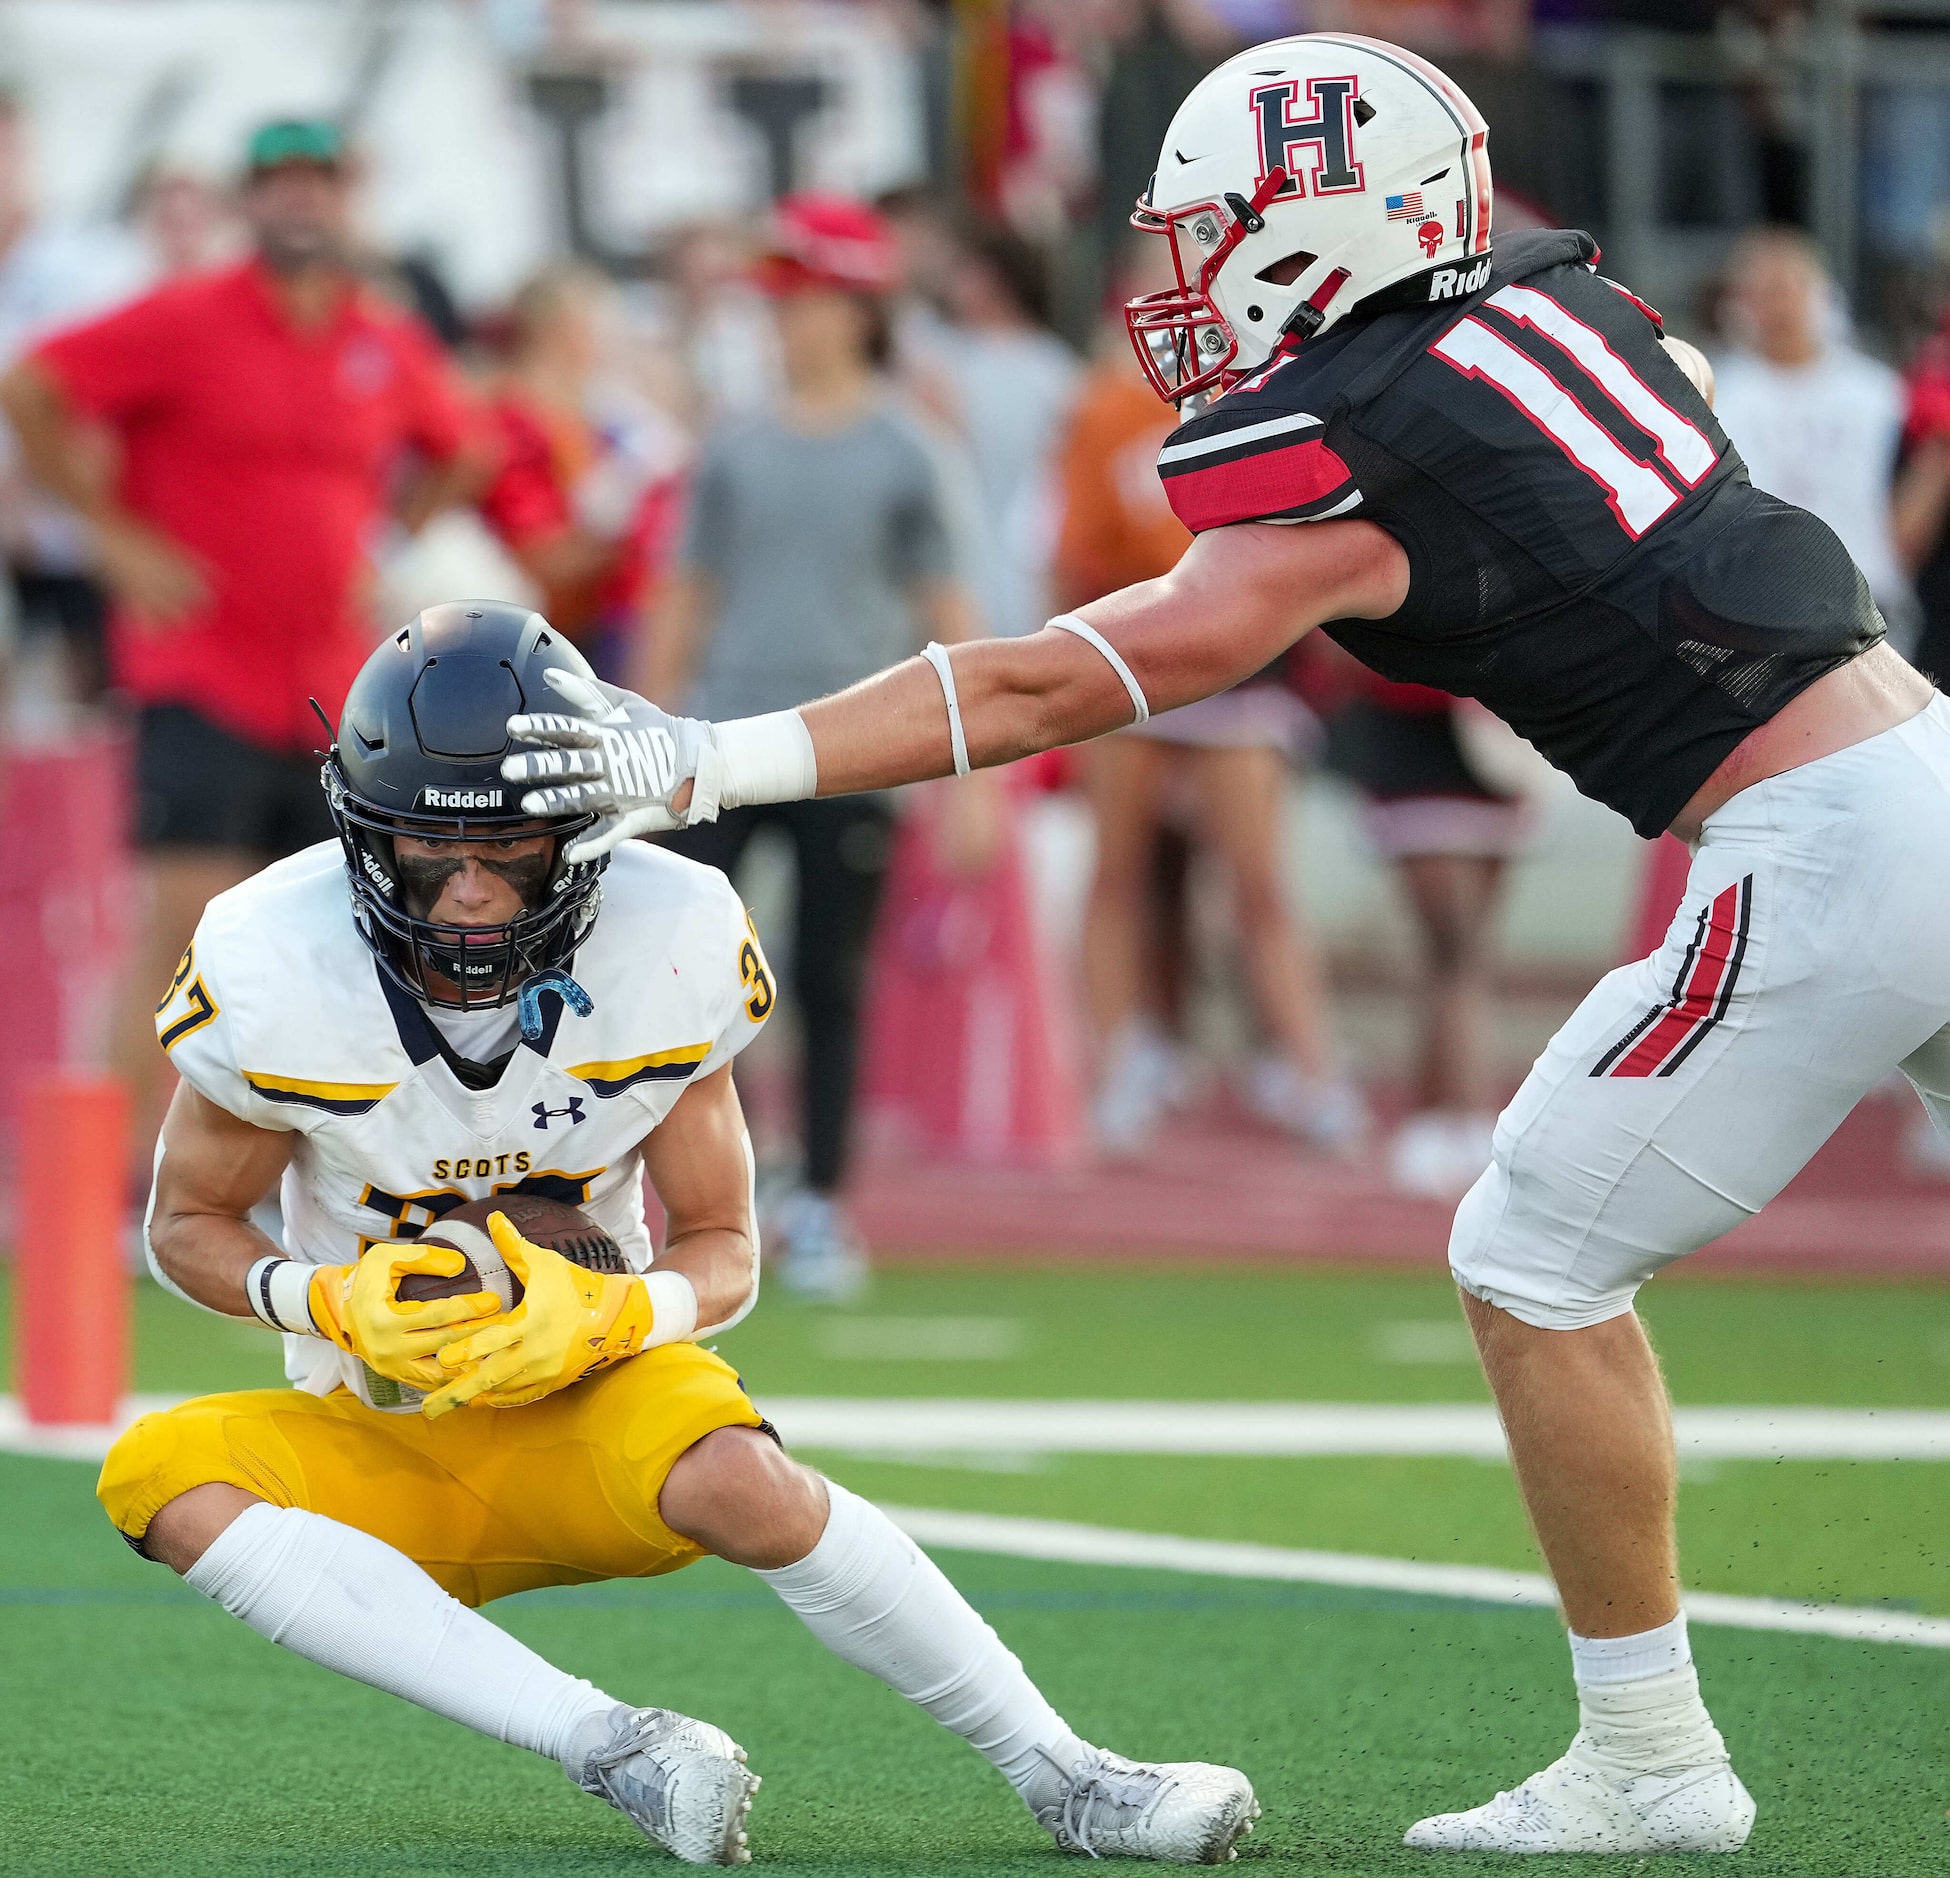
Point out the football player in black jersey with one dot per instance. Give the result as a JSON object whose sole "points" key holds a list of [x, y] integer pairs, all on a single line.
{"points": [[1489, 471]]}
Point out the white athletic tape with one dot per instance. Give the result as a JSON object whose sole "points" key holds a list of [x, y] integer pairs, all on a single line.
{"points": [[764, 759]]}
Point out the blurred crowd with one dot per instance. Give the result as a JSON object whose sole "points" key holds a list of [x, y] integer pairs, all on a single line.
{"points": [[241, 441]]}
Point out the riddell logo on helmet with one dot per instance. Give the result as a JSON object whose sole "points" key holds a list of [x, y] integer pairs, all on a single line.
{"points": [[1451, 283], [460, 798]]}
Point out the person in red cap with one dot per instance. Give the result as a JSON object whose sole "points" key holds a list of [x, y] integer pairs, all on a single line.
{"points": [[825, 537], [260, 415]]}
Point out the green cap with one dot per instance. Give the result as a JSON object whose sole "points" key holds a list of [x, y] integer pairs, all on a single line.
{"points": [[296, 140]]}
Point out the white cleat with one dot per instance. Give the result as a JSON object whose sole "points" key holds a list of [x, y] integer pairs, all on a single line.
{"points": [[683, 1782], [1582, 1804], [1171, 1812]]}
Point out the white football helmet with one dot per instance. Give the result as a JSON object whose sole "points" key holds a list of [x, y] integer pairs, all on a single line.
{"points": [[1297, 180]]}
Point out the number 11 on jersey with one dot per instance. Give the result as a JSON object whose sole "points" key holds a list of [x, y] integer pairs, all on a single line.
{"points": [[1638, 492]]}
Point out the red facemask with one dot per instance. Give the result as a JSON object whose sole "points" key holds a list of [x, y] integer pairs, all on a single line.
{"points": [[1183, 342]]}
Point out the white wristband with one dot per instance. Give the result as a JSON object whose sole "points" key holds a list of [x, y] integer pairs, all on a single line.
{"points": [[1069, 623], [936, 655], [673, 1308], [765, 759], [279, 1290]]}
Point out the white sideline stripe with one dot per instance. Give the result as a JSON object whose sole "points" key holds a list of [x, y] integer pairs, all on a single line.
{"points": [[1470, 1429], [1060, 1542], [71, 1441], [888, 1425]]}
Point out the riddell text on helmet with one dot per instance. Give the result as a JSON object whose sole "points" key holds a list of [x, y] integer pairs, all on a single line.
{"points": [[1450, 283], [431, 798]]}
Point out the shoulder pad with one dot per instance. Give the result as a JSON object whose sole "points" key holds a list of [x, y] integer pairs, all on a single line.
{"points": [[1257, 455]]}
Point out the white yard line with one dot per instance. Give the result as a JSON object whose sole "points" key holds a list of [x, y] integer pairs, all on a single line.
{"points": [[71, 1441], [934, 1425], [927, 1427], [1270, 1428], [1062, 1542]]}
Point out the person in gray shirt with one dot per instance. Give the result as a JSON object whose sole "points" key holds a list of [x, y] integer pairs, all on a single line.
{"points": [[825, 539]]}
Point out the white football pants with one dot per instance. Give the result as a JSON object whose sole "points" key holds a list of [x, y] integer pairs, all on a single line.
{"points": [[1810, 957]]}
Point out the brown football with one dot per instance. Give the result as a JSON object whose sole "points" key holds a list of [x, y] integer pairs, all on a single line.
{"points": [[553, 1223]]}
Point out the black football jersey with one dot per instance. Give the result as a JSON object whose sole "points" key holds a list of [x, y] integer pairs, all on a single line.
{"points": [[1587, 555]]}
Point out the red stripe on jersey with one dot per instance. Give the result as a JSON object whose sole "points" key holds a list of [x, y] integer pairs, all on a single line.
{"points": [[1697, 1002], [1269, 483], [1651, 312]]}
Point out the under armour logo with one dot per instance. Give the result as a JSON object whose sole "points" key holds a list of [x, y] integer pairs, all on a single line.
{"points": [[544, 1114]]}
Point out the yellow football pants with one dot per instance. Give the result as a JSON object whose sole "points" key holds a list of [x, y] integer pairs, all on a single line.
{"points": [[487, 1501]]}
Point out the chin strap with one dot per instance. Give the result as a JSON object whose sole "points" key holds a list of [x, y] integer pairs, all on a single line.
{"points": [[529, 1000], [1305, 319]]}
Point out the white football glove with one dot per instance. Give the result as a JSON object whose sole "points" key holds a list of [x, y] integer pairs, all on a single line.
{"points": [[620, 757]]}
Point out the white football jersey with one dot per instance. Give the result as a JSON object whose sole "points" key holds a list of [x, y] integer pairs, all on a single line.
{"points": [[280, 1014]]}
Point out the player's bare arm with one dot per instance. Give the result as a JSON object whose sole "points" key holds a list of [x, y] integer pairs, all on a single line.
{"points": [[1237, 600], [213, 1169], [699, 1160]]}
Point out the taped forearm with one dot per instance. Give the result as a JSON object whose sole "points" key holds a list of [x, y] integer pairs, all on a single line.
{"points": [[765, 759], [688, 1308], [278, 1290]]}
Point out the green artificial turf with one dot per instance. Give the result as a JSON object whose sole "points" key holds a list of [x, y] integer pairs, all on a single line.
{"points": [[142, 1732], [1236, 1333], [1828, 1532], [1300, 1334]]}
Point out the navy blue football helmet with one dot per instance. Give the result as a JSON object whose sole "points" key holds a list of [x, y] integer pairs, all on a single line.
{"points": [[418, 753]]}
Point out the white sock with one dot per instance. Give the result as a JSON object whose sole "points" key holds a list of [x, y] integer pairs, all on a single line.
{"points": [[874, 1598], [1639, 1706], [1596, 1660], [347, 1601]]}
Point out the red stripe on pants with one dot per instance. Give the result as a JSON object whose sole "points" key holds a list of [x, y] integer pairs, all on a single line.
{"points": [[1695, 1004]]}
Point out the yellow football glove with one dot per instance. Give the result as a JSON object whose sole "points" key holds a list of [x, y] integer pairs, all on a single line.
{"points": [[568, 1322], [355, 1306]]}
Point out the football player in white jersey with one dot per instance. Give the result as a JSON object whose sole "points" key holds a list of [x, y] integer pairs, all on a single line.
{"points": [[489, 1017]]}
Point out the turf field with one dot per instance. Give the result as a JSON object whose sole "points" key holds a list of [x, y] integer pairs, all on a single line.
{"points": [[141, 1731]]}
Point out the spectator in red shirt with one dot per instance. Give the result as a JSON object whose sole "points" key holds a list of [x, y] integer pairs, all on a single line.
{"points": [[264, 420], [588, 492]]}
